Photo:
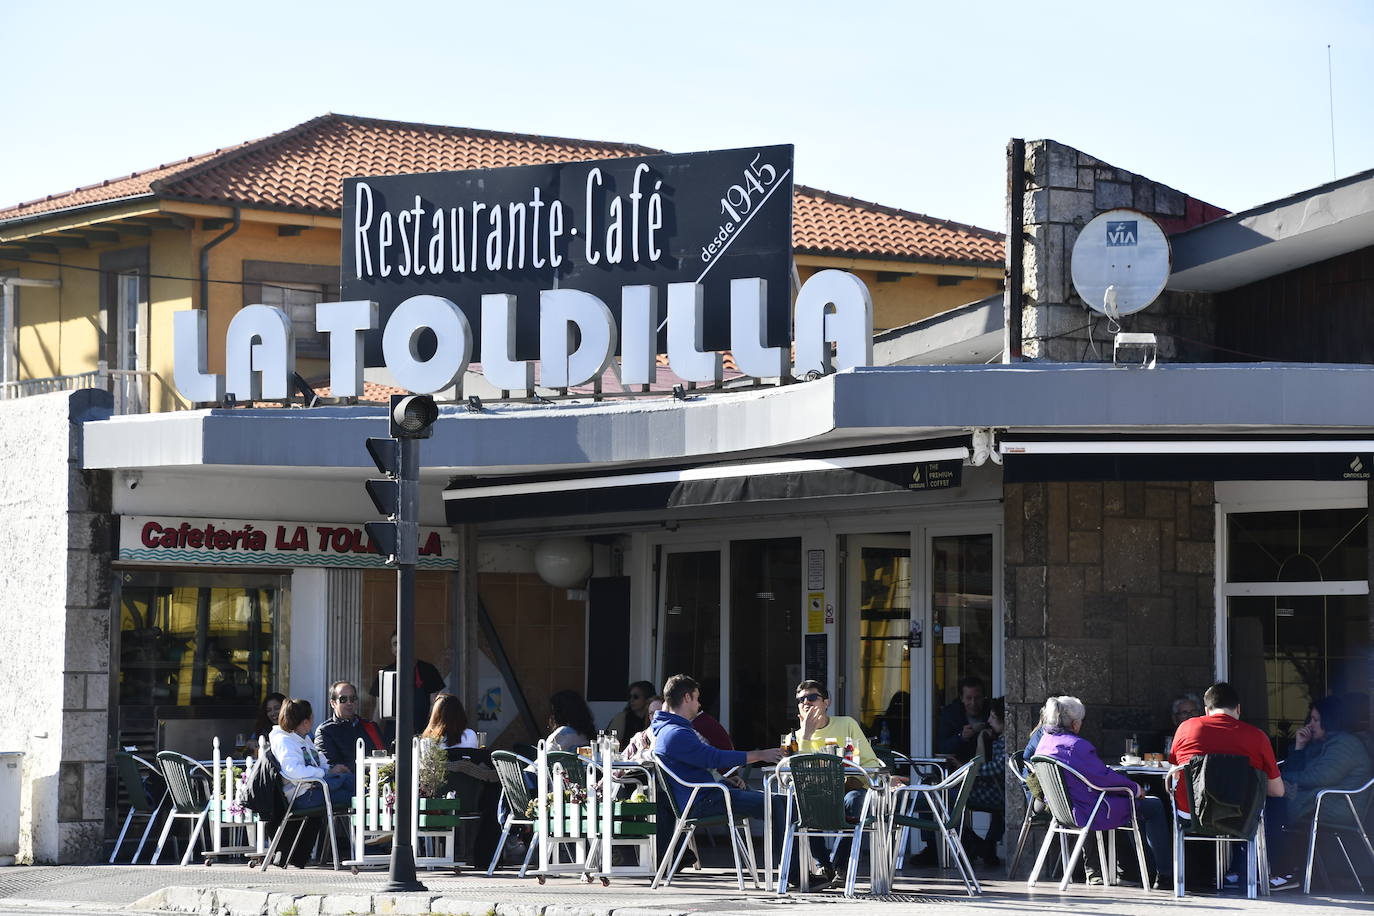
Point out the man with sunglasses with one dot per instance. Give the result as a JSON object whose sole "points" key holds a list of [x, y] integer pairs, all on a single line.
{"points": [[338, 735], [816, 726]]}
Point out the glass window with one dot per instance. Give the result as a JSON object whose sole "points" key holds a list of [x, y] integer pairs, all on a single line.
{"points": [[962, 621], [1309, 545], [298, 300], [885, 642], [1290, 650], [765, 639], [128, 298], [190, 645], [691, 621]]}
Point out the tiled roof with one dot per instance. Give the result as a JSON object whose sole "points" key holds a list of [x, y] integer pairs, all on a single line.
{"points": [[825, 223], [302, 170]]}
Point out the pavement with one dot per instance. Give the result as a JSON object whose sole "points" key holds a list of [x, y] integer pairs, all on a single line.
{"points": [[227, 889]]}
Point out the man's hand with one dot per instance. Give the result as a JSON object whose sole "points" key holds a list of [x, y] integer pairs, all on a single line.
{"points": [[968, 733], [765, 755], [1303, 736], [339, 768], [733, 781], [811, 720]]}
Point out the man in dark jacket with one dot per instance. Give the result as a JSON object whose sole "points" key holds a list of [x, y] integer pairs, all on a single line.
{"points": [[337, 737], [962, 720]]}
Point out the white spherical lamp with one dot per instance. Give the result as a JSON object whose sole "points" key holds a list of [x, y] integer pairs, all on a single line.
{"points": [[563, 562]]}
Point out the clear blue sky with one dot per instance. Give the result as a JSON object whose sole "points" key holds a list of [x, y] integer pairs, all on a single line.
{"points": [[909, 104]]}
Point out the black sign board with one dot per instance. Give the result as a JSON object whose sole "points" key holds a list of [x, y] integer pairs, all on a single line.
{"points": [[597, 226], [815, 662]]}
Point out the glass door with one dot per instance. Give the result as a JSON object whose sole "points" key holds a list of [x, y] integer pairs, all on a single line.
{"points": [[765, 638], [964, 623], [879, 594], [689, 630]]}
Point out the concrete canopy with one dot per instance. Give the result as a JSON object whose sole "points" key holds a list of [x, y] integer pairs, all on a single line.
{"points": [[869, 406], [1310, 226]]}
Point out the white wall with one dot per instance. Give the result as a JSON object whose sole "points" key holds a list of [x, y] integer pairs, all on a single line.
{"points": [[54, 626], [308, 640]]}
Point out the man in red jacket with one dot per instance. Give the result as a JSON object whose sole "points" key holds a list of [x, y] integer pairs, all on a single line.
{"points": [[1220, 731]]}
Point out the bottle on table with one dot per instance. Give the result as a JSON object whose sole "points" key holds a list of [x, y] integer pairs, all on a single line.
{"points": [[849, 752]]}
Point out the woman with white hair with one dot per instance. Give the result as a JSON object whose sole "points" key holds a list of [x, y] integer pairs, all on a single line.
{"points": [[1062, 719]]}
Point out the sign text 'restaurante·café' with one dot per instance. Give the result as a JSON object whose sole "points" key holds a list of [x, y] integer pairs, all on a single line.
{"points": [[240, 542], [549, 273]]}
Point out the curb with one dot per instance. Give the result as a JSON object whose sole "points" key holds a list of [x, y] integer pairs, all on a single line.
{"points": [[246, 902]]}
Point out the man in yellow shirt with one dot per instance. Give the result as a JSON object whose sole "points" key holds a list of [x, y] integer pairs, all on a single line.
{"points": [[815, 726]]}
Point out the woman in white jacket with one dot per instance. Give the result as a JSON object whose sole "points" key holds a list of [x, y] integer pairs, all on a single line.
{"points": [[299, 760]]}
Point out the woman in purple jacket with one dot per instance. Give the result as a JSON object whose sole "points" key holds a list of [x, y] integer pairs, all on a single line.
{"points": [[1061, 719]]}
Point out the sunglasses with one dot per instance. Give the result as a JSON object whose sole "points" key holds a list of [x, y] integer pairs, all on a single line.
{"points": [[809, 698], [351, 698]]}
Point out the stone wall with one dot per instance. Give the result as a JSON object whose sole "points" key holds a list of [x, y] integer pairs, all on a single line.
{"points": [[1110, 599], [55, 623], [1065, 189]]}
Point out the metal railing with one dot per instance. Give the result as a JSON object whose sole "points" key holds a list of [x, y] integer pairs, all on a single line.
{"points": [[130, 387]]}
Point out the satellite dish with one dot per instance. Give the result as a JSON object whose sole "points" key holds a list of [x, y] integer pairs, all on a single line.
{"points": [[1121, 261]]}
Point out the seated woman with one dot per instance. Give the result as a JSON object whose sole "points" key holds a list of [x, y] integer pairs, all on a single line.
{"points": [[268, 711], [299, 761], [1324, 755], [1062, 718], [634, 718], [989, 790], [470, 774], [448, 724], [642, 742], [570, 721]]}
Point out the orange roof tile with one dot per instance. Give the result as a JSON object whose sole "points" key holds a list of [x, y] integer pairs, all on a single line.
{"points": [[302, 170], [826, 223]]}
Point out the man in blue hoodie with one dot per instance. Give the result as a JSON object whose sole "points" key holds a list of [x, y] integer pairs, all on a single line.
{"points": [[691, 759]]}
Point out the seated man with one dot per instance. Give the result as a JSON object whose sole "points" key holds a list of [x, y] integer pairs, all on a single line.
{"points": [[816, 725], [1184, 707], [337, 735], [1220, 731], [691, 759], [962, 720]]}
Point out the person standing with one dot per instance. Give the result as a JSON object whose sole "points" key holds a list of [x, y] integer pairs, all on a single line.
{"points": [[424, 682]]}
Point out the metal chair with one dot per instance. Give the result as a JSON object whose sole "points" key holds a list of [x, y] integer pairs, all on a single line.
{"points": [[510, 769], [741, 839], [1246, 811], [132, 771], [943, 821], [1052, 772], [295, 814], [1033, 819], [817, 796], [1339, 827], [188, 784]]}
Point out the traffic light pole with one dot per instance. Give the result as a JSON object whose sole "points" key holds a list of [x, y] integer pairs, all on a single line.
{"points": [[402, 872]]}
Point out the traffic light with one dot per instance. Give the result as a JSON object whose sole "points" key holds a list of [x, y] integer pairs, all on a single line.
{"points": [[397, 496]]}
